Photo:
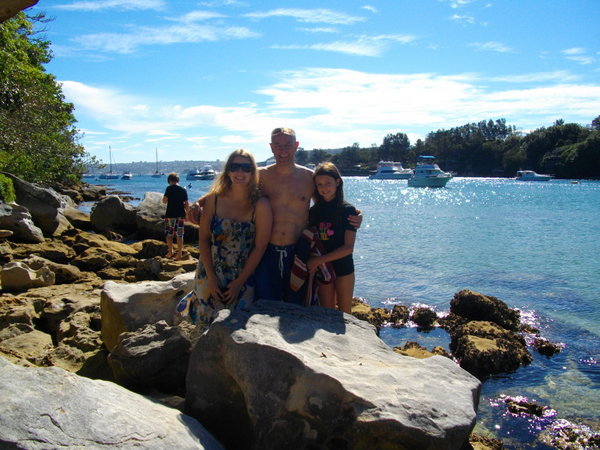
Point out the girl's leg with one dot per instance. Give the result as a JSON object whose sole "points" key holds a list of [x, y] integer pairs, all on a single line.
{"points": [[344, 290], [327, 295]]}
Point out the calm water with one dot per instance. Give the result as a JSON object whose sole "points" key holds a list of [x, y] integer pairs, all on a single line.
{"points": [[535, 246]]}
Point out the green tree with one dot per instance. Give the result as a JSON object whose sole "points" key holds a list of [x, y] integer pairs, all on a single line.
{"points": [[301, 157], [394, 147], [38, 140]]}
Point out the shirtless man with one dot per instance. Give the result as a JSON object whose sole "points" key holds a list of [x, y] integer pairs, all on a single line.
{"points": [[289, 188]]}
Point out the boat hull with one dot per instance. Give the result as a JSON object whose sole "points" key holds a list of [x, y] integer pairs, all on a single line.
{"points": [[397, 176], [200, 177], [428, 182]]}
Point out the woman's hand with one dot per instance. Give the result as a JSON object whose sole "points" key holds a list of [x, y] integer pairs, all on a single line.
{"points": [[233, 290], [313, 263], [215, 291]]}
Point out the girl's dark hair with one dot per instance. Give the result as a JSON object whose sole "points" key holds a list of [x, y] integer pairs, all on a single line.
{"points": [[329, 169]]}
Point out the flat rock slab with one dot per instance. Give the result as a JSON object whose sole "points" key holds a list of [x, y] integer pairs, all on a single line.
{"points": [[51, 408]]}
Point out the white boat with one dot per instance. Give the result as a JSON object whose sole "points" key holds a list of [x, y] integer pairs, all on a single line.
{"points": [[391, 170], [157, 173], [109, 175], [127, 176], [530, 175], [207, 173], [428, 174]]}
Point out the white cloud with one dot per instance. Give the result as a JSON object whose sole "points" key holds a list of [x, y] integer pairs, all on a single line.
{"points": [[459, 3], [309, 15], [332, 108], [370, 8], [578, 54], [463, 19], [197, 16], [113, 4], [190, 33], [492, 47], [360, 46]]}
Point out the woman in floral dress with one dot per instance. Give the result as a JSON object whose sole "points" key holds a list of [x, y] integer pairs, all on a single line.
{"points": [[235, 228]]}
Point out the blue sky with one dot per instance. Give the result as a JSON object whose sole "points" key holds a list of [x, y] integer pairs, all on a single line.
{"points": [[198, 79]]}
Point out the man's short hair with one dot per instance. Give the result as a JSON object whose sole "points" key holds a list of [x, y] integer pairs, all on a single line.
{"points": [[282, 130], [173, 176]]}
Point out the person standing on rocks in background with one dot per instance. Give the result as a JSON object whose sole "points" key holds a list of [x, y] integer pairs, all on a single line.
{"points": [[329, 215], [234, 231], [176, 199]]}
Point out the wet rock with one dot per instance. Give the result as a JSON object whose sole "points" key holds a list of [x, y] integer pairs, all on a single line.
{"points": [[545, 347], [414, 350], [475, 306], [485, 348], [375, 316], [399, 315], [424, 317], [566, 435]]}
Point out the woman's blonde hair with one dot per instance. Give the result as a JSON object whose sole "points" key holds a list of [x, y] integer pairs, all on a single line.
{"points": [[223, 183]]}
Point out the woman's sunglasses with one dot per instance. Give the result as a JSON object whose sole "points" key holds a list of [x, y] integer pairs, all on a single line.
{"points": [[244, 167]]}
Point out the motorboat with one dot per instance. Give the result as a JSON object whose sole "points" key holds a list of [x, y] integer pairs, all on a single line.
{"points": [[391, 170], [207, 173], [126, 176], [530, 175], [428, 174]]}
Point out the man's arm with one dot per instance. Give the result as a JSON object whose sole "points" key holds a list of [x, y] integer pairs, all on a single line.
{"points": [[195, 211], [356, 219]]}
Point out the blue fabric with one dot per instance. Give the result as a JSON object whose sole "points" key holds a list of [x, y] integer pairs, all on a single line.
{"points": [[273, 276]]}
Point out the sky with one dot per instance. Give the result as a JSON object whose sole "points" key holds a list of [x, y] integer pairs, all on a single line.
{"points": [[195, 80]]}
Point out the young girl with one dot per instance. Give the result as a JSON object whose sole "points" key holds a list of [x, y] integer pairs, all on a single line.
{"points": [[330, 215], [235, 228]]}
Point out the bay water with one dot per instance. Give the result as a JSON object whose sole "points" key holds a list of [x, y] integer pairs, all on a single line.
{"points": [[534, 245]]}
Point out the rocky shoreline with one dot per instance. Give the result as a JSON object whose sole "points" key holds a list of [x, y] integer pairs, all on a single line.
{"points": [[93, 295]]}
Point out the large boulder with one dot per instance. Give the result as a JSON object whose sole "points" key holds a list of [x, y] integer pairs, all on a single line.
{"points": [[127, 307], [485, 348], [112, 214], [475, 306], [294, 377], [18, 276], [18, 220], [52, 408], [63, 273], [153, 357], [44, 204]]}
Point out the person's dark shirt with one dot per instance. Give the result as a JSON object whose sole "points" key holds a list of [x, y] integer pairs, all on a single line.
{"points": [[176, 196], [332, 222]]}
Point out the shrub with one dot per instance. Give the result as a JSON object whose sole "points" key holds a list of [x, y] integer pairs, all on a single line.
{"points": [[7, 190]]}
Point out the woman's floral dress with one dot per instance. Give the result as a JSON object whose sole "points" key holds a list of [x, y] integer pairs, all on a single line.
{"points": [[231, 243]]}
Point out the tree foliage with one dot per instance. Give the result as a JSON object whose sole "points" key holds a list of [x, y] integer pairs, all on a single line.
{"points": [[38, 139], [487, 148]]}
